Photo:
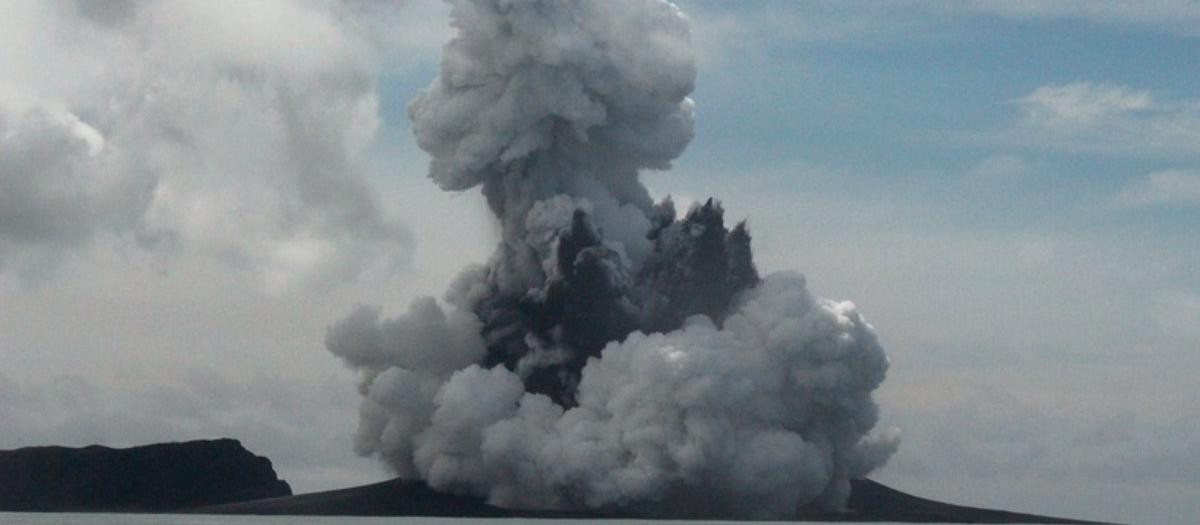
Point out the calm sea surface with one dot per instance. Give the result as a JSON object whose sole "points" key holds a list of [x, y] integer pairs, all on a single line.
{"points": [[183, 519]]}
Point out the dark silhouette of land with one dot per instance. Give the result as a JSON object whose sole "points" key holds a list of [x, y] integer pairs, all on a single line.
{"points": [[388, 498], [873, 501], [869, 501], [154, 478]]}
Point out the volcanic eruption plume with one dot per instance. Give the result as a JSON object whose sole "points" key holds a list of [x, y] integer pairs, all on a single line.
{"points": [[612, 354]]}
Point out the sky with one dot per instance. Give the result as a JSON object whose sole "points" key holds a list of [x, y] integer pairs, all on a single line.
{"points": [[191, 193]]}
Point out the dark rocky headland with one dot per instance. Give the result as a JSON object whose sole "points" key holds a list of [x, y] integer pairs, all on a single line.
{"points": [[162, 477]]}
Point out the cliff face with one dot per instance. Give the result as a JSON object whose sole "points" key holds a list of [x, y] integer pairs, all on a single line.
{"points": [[160, 477]]}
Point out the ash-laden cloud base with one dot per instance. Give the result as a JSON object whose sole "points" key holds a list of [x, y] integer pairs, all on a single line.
{"points": [[610, 354]]}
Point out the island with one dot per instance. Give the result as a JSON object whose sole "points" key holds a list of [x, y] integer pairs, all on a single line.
{"points": [[164, 477]]}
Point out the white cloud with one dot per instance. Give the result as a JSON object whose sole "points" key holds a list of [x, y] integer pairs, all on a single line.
{"points": [[1105, 120], [1081, 105], [221, 129], [1161, 187]]}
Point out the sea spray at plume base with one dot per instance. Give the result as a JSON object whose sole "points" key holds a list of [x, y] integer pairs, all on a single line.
{"points": [[610, 354]]}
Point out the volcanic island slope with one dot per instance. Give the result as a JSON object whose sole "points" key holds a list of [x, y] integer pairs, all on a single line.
{"points": [[869, 501]]}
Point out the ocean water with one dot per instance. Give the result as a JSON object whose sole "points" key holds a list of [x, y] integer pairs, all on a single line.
{"points": [[20, 518]]}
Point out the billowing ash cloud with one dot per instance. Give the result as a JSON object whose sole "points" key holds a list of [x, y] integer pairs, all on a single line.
{"points": [[611, 355]]}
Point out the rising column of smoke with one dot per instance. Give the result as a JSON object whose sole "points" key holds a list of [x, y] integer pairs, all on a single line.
{"points": [[609, 355]]}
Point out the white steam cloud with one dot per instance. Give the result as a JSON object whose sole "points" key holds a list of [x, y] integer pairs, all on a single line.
{"points": [[611, 355]]}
